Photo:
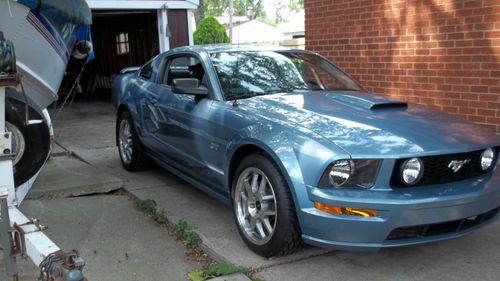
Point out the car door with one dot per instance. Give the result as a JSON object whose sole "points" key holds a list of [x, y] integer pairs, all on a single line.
{"points": [[144, 88], [181, 123]]}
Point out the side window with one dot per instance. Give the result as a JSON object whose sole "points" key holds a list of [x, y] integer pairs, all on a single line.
{"points": [[316, 77], [147, 71], [184, 67]]}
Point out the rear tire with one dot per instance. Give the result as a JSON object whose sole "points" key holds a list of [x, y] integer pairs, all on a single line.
{"points": [[130, 148], [263, 207]]}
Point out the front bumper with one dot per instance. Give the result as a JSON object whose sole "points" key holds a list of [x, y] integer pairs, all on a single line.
{"points": [[406, 216]]}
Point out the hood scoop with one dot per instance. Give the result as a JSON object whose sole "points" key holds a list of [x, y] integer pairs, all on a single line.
{"points": [[367, 101], [389, 105]]}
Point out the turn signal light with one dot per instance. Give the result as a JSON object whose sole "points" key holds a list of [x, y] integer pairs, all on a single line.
{"points": [[345, 210]]}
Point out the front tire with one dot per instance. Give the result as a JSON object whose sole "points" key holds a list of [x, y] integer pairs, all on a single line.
{"points": [[130, 147], [263, 208]]}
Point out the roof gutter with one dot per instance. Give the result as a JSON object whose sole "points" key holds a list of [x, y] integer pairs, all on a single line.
{"points": [[141, 5]]}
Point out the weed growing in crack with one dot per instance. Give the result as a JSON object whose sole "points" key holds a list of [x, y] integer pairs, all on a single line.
{"points": [[220, 269], [160, 217], [181, 227], [193, 240], [148, 206]]}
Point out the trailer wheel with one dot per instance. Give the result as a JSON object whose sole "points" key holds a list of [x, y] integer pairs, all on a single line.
{"points": [[30, 143]]}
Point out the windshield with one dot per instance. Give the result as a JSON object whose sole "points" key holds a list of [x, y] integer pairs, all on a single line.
{"points": [[247, 74]]}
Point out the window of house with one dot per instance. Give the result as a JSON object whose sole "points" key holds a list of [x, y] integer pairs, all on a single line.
{"points": [[122, 45]]}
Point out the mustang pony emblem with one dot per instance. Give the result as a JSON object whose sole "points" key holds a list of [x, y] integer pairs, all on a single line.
{"points": [[456, 165]]}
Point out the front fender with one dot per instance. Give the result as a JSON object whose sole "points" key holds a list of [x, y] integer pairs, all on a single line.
{"points": [[300, 159]]}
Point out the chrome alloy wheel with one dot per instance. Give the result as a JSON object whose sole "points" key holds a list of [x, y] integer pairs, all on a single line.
{"points": [[255, 206], [18, 141], [125, 142]]}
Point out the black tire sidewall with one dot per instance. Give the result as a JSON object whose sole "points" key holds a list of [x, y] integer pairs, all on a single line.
{"points": [[36, 138]]}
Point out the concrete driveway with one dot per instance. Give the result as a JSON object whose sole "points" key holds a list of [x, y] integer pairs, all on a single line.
{"points": [[88, 130]]}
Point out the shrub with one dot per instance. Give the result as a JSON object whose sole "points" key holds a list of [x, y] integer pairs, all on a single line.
{"points": [[210, 31]]}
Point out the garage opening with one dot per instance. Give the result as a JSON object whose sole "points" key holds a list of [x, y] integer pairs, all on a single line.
{"points": [[121, 39], [124, 38]]}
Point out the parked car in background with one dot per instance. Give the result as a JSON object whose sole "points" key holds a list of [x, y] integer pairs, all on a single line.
{"points": [[303, 153]]}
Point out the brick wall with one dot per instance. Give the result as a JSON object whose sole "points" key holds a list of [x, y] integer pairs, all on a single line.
{"points": [[444, 53]]}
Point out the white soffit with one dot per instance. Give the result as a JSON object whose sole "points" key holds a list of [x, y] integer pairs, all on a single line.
{"points": [[141, 5]]}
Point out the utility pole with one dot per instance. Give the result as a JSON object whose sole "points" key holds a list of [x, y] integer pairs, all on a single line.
{"points": [[231, 11]]}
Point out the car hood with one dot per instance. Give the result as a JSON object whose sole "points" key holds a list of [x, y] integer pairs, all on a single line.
{"points": [[371, 125]]}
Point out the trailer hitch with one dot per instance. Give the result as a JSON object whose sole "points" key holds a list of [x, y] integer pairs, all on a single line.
{"points": [[62, 266]]}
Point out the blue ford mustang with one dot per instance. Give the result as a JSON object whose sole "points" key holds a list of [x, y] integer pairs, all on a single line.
{"points": [[303, 153]]}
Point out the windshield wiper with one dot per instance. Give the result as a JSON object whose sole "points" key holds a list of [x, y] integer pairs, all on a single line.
{"points": [[253, 94]]}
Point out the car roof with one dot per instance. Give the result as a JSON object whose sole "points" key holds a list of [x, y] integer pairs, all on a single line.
{"points": [[217, 48]]}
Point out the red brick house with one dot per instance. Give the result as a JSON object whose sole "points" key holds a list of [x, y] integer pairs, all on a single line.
{"points": [[443, 53]]}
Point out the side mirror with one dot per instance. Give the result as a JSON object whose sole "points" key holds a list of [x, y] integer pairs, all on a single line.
{"points": [[188, 86], [130, 69]]}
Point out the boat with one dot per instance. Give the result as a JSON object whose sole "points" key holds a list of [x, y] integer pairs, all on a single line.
{"points": [[47, 35]]}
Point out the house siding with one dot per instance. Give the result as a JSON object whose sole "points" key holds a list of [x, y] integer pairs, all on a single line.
{"points": [[442, 53]]}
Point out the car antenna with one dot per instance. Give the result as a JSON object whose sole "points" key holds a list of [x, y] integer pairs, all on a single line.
{"points": [[236, 102]]}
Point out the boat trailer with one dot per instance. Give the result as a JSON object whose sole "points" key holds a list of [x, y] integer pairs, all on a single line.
{"points": [[19, 235]]}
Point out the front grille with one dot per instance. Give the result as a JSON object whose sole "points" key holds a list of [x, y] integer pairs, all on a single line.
{"points": [[440, 228], [436, 169]]}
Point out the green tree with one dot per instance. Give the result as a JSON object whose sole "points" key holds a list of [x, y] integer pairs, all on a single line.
{"points": [[279, 7], [210, 31], [296, 5], [213, 8], [241, 7], [216, 8]]}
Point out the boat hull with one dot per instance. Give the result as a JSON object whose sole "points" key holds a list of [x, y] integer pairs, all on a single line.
{"points": [[41, 62]]}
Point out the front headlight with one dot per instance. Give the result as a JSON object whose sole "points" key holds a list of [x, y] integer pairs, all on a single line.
{"points": [[340, 172], [487, 159], [359, 173], [411, 171]]}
